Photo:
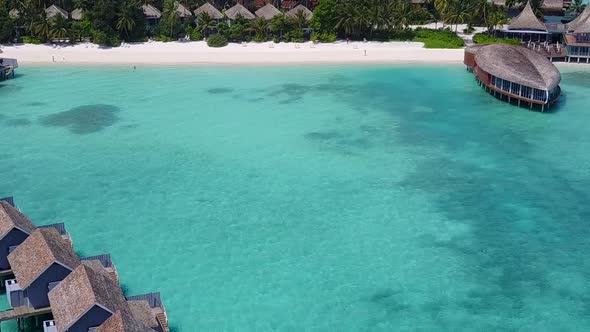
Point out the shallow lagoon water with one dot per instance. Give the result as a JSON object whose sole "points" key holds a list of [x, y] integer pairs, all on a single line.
{"points": [[312, 198]]}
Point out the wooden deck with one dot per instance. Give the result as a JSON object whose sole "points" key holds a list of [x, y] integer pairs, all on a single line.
{"points": [[22, 312]]}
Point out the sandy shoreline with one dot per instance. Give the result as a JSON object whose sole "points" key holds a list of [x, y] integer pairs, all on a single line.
{"points": [[251, 53]]}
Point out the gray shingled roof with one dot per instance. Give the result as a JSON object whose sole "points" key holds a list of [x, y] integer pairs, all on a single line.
{"points": [[11, 217], [39, 251], [54, 10], [268, 11], [527, 20], [518, 64], [80, 291], [151, 12], [122, 321], [293, 12], [237, 10], [210, 10]]}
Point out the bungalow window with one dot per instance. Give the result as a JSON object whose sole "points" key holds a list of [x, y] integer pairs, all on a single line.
{"points": [[506, 85], [526, 92]]}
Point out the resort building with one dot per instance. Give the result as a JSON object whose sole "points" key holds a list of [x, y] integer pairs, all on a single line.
{"points": [[514, 74], [239, 11], [152, 15], [84, 300], [102, 263], [148, 309], [268, 11], [300, 9], [122, 321], [209, 10], [577, 38], [39, 264], [182, 11], [15, 228], [526, 27], [53, 11]]}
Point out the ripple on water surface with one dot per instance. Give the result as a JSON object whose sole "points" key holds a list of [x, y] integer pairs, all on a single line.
{"points": [[333, 198]]}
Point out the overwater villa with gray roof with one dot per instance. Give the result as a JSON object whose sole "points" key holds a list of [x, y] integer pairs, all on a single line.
{"points": [[15, 227], [39, 263]]}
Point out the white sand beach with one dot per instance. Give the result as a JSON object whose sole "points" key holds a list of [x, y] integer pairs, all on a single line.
{"points": [[251, 53]]}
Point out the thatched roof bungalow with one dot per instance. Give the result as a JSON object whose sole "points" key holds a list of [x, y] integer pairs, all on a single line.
{"points": [[86, 298], [239, 10], [209, 10], [148, 309], [53, 10], [44, 259], [181, 10], [515, 73], [526, 27], [300, 8], [267, 12]]}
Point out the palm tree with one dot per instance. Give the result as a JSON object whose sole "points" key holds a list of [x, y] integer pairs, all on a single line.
{"points": [[576, 7], [41, 28], [170, 14], [259, 26], [59, 28], [401, 14], [279, 24], [125, 23], [300, 20], [206, 23]]}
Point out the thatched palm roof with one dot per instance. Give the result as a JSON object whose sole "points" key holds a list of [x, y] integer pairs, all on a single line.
{"points": [[518, 64], [81, 290], [552, 5], [14, 13], [77, 14], [38, 252], [181, 10], [581, 24], [11, 218], [239, 10], [527, 20], [210, 10], [54, 10], [123, 321], [267, 12], [151, 12], [300, 8]]}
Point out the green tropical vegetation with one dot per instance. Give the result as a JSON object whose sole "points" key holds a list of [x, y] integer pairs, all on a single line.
{"points": [[109, 22], [483, 38]]}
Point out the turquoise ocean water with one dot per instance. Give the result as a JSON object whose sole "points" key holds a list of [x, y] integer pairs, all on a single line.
{"points": [[318, 198]]}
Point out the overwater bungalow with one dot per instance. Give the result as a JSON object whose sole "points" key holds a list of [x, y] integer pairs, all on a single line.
{"points": [[267, 12], [152, 15], [300, 8], [15, 228], [84, 300], [77, 14], [104, 263], [209, 10], [237, 11], [53, 11], [122, 321], [577, 38], [148, 309], [39, 263], [514, 74]]}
